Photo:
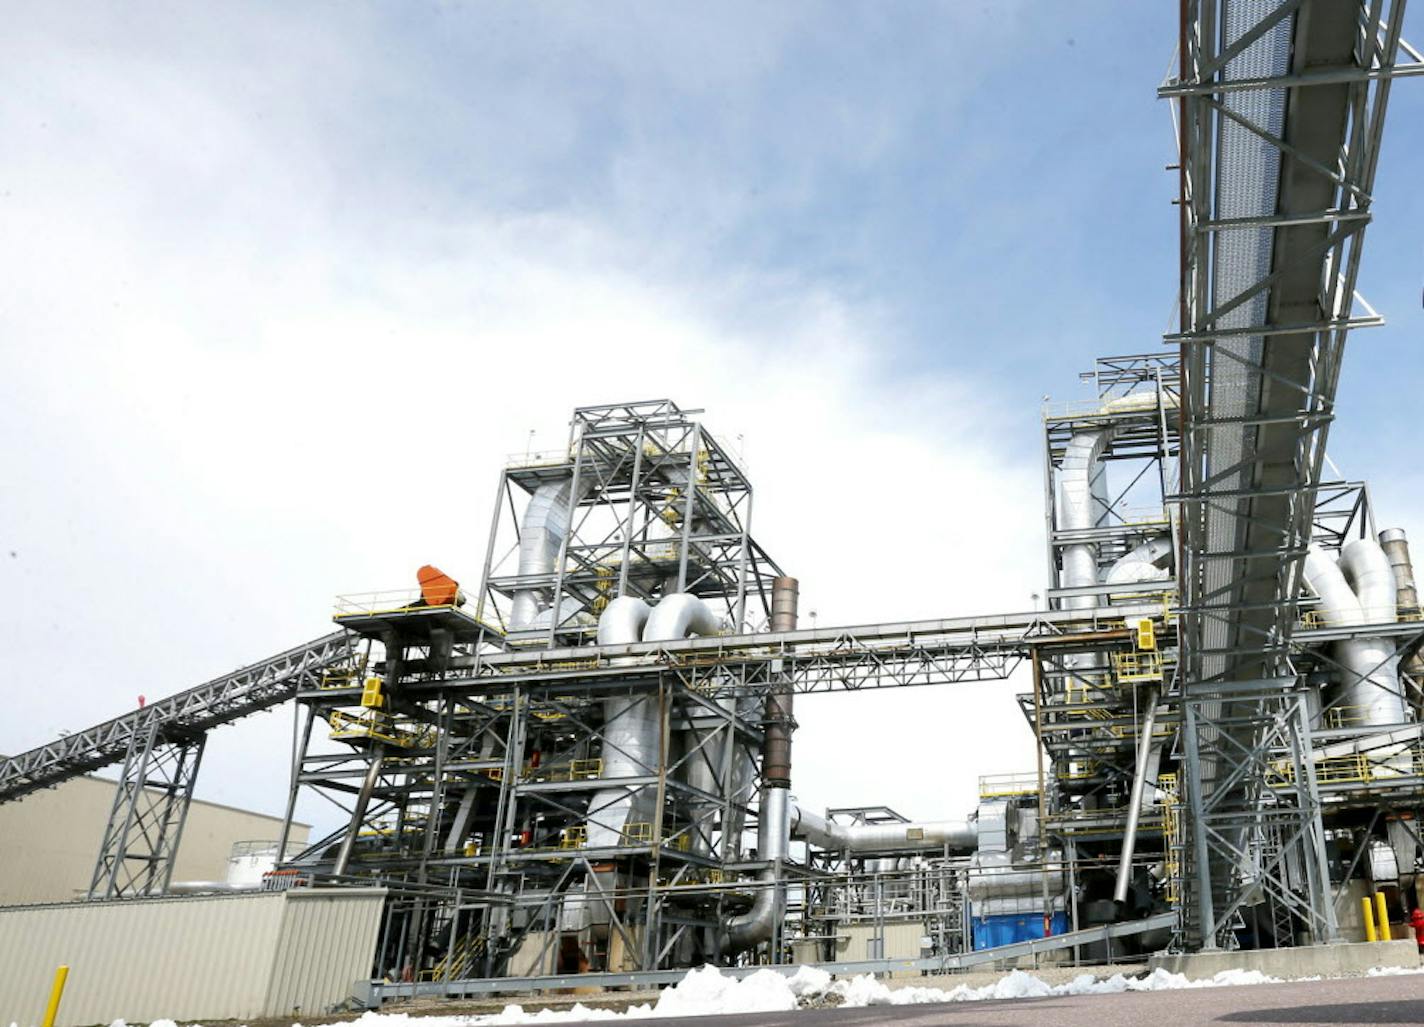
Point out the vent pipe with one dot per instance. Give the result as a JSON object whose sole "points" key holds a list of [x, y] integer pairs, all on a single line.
{"points": [[758, 924], [1411, 667], [903, 837]]}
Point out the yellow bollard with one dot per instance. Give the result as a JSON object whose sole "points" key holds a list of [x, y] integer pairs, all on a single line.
{"points": [[1369, 911], [1383, 916], [52, 1010]]}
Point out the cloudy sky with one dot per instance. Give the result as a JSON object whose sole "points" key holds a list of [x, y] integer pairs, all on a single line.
{"points": [[277, 281]]}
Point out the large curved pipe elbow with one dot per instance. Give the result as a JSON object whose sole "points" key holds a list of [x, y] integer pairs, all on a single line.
{"points": [[758, 924], [1151, 561], [680, 616], [623, 621], [1368, 570], [1360, 590]]}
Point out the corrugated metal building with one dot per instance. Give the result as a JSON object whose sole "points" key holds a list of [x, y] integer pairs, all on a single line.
{"points": [[293, 953], [50, 840]]}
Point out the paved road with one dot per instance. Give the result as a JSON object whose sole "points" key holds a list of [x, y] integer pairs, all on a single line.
{"points": [[1353, 1001]]}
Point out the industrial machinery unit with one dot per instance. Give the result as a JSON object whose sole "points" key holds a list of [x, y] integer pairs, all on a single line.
{"points": [[582, 765]]}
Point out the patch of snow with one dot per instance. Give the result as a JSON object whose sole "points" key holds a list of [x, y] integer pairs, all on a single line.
{"points": [[1392, 971], [708, 992]]}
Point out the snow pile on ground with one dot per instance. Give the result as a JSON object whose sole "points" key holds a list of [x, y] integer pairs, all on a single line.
{"points": [[709, 992], [703, 992], [867, 991], [1392, 971]]}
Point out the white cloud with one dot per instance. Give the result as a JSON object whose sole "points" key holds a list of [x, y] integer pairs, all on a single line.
{"points": [[233, 401]]}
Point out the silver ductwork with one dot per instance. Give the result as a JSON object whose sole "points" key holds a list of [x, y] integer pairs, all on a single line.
{"points": [[1148, 751], [1082, 504], [994, 885], [678, 616], [1151, 561], [630, 731], [541, 537], [1359, 590], [758, 924], [630, 723], [1083, 500], [959, 835]]}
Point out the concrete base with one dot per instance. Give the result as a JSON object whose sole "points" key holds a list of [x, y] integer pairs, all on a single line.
{"points": [[1306, 961]]}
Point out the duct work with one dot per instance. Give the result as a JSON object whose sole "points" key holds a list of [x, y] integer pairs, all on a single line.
{"points": [[957, 835], [758, 924], [541, 539], [995, 886], [630, 731], [1083, 503], [1358, 590]]}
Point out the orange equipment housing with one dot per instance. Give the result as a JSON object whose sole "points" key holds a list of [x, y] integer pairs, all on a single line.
{"points": [[436, 587]]}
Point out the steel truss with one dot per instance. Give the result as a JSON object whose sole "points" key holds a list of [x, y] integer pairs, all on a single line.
{"points": [[1277, 168], [140, 842], [658, 504], [494, 793], [230, 697]]}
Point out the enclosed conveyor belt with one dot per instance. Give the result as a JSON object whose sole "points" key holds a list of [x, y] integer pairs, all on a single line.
{"points": [[257, 687], [1282, 105]]}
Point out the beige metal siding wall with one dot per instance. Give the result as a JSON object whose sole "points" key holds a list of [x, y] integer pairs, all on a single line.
{"points": [[140, 960], [49, 840], [328, 942], [902, 941], [201, 958]]}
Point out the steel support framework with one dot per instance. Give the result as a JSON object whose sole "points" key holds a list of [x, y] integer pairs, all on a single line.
{"points": [[656, 501], [1261, 359], [150, 808]]}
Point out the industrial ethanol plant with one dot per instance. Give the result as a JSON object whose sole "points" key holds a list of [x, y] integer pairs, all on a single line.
{"points": [[580, 769]]}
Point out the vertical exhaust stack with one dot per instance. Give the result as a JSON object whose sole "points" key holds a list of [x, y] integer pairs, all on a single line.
{"points": [[758, 924], [776, 755], [1411, 668]]}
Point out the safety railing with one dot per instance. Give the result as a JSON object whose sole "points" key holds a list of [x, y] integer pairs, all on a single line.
{"points": [[997, 786], [1137, 667], [375, 726], [402, 600], [1377, 766], [574, 770], [539, 458]]}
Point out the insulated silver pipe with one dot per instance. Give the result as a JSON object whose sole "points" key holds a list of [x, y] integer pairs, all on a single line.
{"points": [[1360, 590], [912, 837], [541, 536], [630, 730], [1139, 786], [758, 924]]}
